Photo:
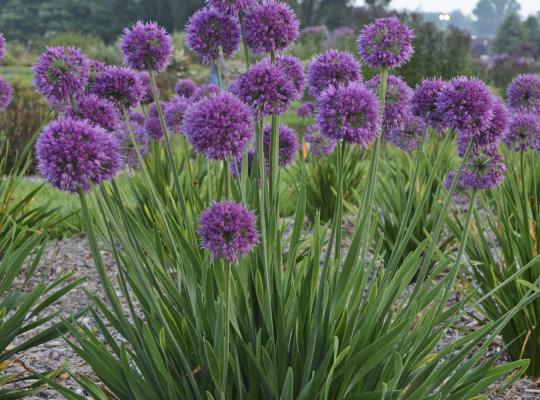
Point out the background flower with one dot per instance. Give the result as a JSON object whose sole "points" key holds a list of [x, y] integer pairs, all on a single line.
{"points": [[98, 111], [523, 133], [231, 7], [6, 94], [483, 171], [288, 144], [408, 136], [174, 113], [185, 88], [332, 68], [119, 85], [424, 103], [524, 93]]}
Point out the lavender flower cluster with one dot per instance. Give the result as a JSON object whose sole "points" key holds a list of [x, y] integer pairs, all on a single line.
{"points": [[6, 93]]}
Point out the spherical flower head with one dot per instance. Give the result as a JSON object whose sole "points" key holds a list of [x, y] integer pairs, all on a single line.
{"points": [[523, 133], [332, 68], [153, 110], [147, 96], [306, 109], [231, 7], [98, 111], [136, 118], [483, 171], [228, 230], [270, 26], [288, 144], [146, 46], [60, 72], [265, 88], [208, 30], [74, 155], [408, 137], [397, 101], [119, 85], [185, 88], [6, 94], [205, 90], [524, 93], [94, 68], [386, 43], [460, 194], [153, 128], [424, 103], [127, 148], [349, 113], [174, 113], [292, 67], [219, 126], [2, 47]]}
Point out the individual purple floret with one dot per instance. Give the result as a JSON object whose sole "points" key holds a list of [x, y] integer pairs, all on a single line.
{"points": [[98, 111], [460, 194], [523, 133], [408, 137], [208, 30], [265, 88], [306, 109], [483, 171], [153, 128], [319, 145], [174, 113], [119, 85], [60, 72], [127, 148], [524, 93], [332, 67], [270, 26], [349, 113], [75, 155], [219, 126], [94, 68], [228, 230], [185, 88], [205, 90], [147, 96], [231, 7], [386, 43], [293, 69], [3, 46], [6, 94], [424, 103], [397, 101], [146, 46], [288, 144]]}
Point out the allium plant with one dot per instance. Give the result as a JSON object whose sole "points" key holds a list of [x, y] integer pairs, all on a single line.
{"points": [[424, 103], [524, 94], [185, 88], [288, 144], [408, 136], [332, 68], [119, 85], [174, 113], [98, 111], [6, 93], [523, 133], [2, 47], [231, 7], [205, 90]]}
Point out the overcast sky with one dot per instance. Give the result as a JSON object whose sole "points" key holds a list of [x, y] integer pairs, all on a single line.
{"points": [[527, 6]]}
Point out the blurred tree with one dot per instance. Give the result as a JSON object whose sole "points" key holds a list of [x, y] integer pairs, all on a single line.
{"points": [[490, 15], [518, 38], [378, 3]]}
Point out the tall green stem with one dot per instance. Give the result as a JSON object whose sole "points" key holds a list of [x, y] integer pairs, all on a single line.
{"points": [[338, 211], [227, 330], [244, 44]]}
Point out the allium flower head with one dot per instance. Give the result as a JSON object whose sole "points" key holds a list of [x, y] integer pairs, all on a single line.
{"points": [[523, 133], [147, 96], [397, 101], [127, 149], [424, 103], [319, 145], [146, 46], [466, 104], [205, 90], [74, 154], [231, 7], [293, 69], [119, 85], [2, 46], [60, 72], [136, 118], [265, 88], [174, 113], [207, 30], [460, 194], [332, 67], [288, 144], [153, 128], [270, 26], [306, 109], [524, 93], [185, 88], [98, 111], [6, 94], [386, 43], [94, 68], [408, 137], [153, 111], [483, 171], [228, 230], [219, 126], [349, 113]]}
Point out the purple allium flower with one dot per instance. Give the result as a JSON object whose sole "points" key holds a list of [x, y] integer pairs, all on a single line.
{"points": [[60, 72], [483, 171], [74, 154], [219, 126], [153, 128], [460, 194], [205, 90], [146, 46], [6, 94], [136, 118], [265, 88], [207, 30], [523, 133], [231, 7], [127, 149], [408, 137], [466, 104], [397, 101], [386, 43], [94, 68], [288, 144], [270, 26], [332, 68], [319, 145], [228, 230], [98, 111], [524, 93], [306, 109], [153, 111], [349, 113], [119, 85], [185, 88], [174, 113], [147, 96], [293, 69], [2, 46], [424, 103]]}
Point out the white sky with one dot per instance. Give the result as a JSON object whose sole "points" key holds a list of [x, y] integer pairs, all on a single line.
{"points": [[527, 6]]}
